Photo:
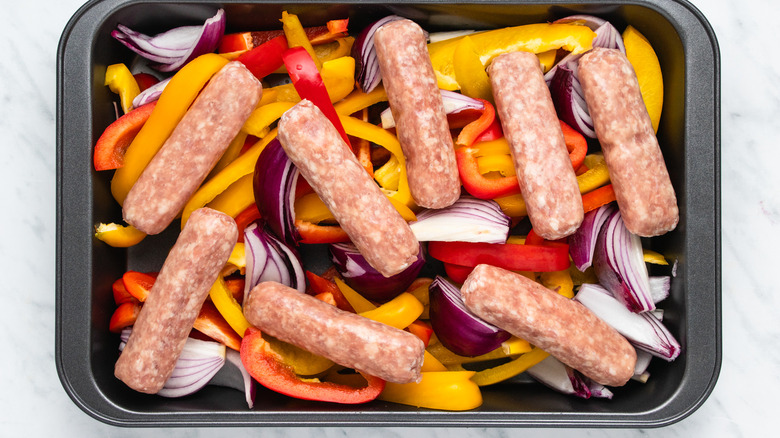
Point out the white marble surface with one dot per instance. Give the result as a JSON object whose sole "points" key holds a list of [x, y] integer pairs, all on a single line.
{"points": [[33, 403]]}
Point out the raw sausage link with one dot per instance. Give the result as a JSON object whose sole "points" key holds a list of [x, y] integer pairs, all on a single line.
{"points": [[541, 159], [564, 328], [636, 165], [421, 123], [363, 211], [343, 337], [173, 303], [193, 149]]}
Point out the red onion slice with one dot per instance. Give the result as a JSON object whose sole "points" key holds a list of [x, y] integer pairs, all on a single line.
{"points": [[559, 377], [454, 103], [619, 264], [583, 241], [659, 287], [643, 330], [150, 94], [364, 52], [269, 259], [467, 220], [173, 49], [458, 328], [361, 276], [274, 187]]}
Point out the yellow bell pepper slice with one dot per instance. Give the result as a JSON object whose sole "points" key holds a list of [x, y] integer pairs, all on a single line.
{"points": [[502, 164], [228, 307], [357, 100], [237, 260], [236, 198], [430, 363], [547, 59], [534, 38], [121, 81], [356, 300], [398, 312], [119, 236], [470, 72], [240, 167], [296, 36], [310, 208], [422, 295], [511, 347], [338, 75], [180, 92], [260, 121], [303, 363], [510, 369], [653, 257], [446, 390], [558, 281], [389, 174], [231, 153], [512, 205]]}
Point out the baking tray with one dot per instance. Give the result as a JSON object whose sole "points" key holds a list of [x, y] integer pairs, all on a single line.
{"points": [[689, 134]]}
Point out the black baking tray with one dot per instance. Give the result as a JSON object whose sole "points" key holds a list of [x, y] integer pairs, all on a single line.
{"points": [[689, 135]]}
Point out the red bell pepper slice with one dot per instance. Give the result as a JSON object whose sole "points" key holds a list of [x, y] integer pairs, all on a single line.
{"points": [[236, 288], [138, 284], [145, 80], [212, 324], [121, 295], [476, 184], [596, 198], [457, 273], [308, 83], [320, 285], [266, 366], [124, 316], [265, 58], [552, 256], [238, 42], [111, 146], [246, 217], [313, 233], [493, 132], [422, 330], [575, 143], [470, 132]]}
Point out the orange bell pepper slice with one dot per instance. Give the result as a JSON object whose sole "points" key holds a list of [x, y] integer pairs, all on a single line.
{"points": [[601, 196]]}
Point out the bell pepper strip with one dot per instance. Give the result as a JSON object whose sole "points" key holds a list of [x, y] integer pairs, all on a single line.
{"points": [[493, 132], [316, 234], [236, 287], [596, 176], [534, 38], [138, 284], [533, 239], [550, 257], [124, 316], [246, 217], [310, 208], [317, 35], [113, 142], [267, 367], [326, 297], [297, 37], [445, 390], [470, 132], [228, 307], [579, 278], [422, 330], [320, 285], [512, 205], [419, 288], [575, 143], [231, 153], [236, 261], [654, 258], [121, 295], [211, 323], [398, 312], [260, 121], [236, 198], [547, 59], [512, 347], [119, 236], [430, 363], [470, 72], [359, 100], [302, 362], [477, 184], [502, 164], [173, 103], [265, 58], [240, 167], [362, 146], [389, 174], [510, 369], [457, 273], [121, 81], [338, 75], [596, 198], [309, 84], [356, 300], [144, 80], [328, 52], [558, 281]]}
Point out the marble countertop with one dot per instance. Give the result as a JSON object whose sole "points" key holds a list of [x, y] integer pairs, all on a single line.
{"points": [[33, 402]]}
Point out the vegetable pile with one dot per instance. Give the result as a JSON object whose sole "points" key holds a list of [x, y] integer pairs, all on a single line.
{"points": [[603, 265]]}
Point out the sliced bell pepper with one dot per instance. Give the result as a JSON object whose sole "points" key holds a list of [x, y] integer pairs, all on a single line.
{"points": [[558, 281], [228, 307], [236, 198], [510, 369], [326, 297], [470, 72], [512, 347], [138, 284], [575, 143], [321, 285], [597, 174], [430, 363], [265, 58], [470, 132], [113, 142], [422, 330], [356, 300], [236, 287], [246, 217], [398, 312], [211, 323], [173, 103], [310, 208], [121, 295], [296, 36], [243, 41], [653, 257], [338, 75], [502, 164], [457, 273], [596, 198], [308, 83], [419, 288], [493, 132], [124, 316], [534, 38], [119, 236], [314, 234], [550, 257], [302, 362], [234, 149], [260, 121], [145, 80], [358, 100], [267, 367], [389, 174], [477, 184], [121, 81], [447, 390]]}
